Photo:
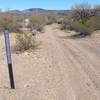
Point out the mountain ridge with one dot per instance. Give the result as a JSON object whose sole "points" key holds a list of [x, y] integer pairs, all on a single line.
{"points": [[31, 11]]}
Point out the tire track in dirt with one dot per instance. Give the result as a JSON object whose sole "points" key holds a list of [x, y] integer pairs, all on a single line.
{"points": [[74, 71], [80, 55]]}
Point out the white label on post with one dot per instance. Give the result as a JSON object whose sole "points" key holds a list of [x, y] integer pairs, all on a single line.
{"points": [[7, 44]]}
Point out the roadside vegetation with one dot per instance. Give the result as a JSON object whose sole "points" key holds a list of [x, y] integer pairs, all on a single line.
{"points": [[83, 19], [10, 21], [25, 27], [37, 22]]}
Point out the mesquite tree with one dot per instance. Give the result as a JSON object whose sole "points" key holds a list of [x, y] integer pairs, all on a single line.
{"points": [[81, 12]]}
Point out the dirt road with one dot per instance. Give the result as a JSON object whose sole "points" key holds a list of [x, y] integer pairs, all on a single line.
{"points": [[59, 69]]}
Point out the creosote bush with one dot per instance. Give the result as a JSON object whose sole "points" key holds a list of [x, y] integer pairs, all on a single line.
{"points": [[24, 42], [84, 29], [94, 23], [51, 18], [89, 26], [11, 22], [66, 24], [37, 22]]}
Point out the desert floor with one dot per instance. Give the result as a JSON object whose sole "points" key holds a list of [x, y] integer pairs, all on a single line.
{"points": [[60, 68]]}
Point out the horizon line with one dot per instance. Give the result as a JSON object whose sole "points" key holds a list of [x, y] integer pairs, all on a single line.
{"points": [[9, 9]]}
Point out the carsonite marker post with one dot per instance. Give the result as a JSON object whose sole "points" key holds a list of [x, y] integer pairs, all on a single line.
{"points": [[9, 61]]}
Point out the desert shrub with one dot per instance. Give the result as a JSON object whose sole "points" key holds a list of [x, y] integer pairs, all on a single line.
{"points": [[5, 23], [84, 29], [10, 22], [16, 24], [60, 20], [82, 19], [94, 23], [37, 22], [66, 24], [16, 28], [81, 12], [97, 10], [24, 42], [51, 18]]}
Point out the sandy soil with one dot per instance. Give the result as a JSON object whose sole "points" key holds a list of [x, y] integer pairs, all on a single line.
{"points": [[59, 69]]}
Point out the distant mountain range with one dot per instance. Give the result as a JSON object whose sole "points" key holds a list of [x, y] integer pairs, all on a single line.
{"points": [[39, 11]]}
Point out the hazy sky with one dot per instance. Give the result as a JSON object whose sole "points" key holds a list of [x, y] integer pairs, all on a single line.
{"points": [[46, 4]]}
